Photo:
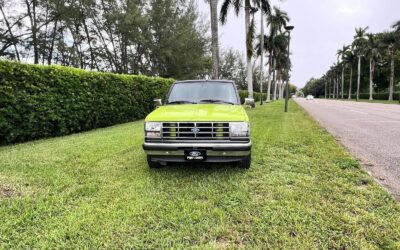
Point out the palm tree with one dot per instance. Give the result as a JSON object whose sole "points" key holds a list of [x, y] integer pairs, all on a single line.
{"points": [[392, 40], [359, 45], [391, 43], [374, 56], [341, 54], [267, 48], [276, 22], [250, 7], [214, 37], [349, 59], [280, 55]]}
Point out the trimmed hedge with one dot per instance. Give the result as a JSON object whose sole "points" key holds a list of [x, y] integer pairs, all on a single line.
{"points": [[45, 101], [244, 94]]}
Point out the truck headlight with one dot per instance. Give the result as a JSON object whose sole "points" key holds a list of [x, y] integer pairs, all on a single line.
{"points": [[153, 126], [239, 129], [152, 129]]}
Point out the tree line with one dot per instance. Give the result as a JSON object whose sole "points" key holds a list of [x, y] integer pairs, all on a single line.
{"points": [[167, 38], [365, 69], [154, 37]]}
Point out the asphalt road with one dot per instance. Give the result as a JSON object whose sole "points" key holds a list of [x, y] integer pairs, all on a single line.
{"points": [[371, 131]]}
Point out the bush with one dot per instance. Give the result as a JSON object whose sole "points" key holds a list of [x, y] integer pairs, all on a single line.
{"points": [[244, 94], [44, 101]]}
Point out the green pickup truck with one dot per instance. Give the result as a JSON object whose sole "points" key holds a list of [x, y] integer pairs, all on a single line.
{"points": [[200, 121]]}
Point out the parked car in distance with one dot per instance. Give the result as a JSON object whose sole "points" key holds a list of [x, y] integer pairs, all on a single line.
{"points": [[310, 98], [200, 121]]}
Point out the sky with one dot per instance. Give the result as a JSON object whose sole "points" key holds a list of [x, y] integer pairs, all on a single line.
{"points": [[321, 28]]}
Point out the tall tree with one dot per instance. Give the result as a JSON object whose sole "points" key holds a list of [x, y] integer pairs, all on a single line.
{"points": [[214, 37], [359, 46], [341, 55], [250, 7], [349, 59], [392, 41], [374, 56]]}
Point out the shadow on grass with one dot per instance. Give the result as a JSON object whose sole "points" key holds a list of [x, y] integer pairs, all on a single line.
{"points": [[198, 171]]}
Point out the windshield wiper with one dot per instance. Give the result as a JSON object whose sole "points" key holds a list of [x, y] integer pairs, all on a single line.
{"points": [[216, 101], [181, 102]]}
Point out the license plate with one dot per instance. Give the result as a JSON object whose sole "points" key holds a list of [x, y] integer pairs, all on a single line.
{"points": [[195, 155]]}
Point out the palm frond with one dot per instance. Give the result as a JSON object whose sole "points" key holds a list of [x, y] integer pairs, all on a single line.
{"points": [[224, 11]]}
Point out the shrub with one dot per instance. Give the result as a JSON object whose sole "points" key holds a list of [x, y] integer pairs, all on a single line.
{"points": [[244, 94], [44, 101]]}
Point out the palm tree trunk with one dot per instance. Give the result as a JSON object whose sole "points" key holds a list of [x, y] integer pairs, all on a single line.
{"points": [[326, 85], [214, 38], [261, 57], [337, 87], [249, 77], [334, 88], [391, 77], [269, 79], [358, 78], [342, 82], [351, 80], [370, 78], [274, 80], [329, 91]]}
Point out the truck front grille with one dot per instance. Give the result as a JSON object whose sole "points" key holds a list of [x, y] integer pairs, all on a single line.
{"points": [[195, 131]]}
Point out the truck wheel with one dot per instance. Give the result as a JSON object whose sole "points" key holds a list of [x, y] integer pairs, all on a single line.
{"points": [[153, 164], [246, 162]]}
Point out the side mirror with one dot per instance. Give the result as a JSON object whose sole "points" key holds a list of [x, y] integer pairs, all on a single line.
{"points": [[157, 102], [250, 102]]}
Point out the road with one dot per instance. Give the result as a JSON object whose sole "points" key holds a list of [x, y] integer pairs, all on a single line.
{"points": [[371, 131]]}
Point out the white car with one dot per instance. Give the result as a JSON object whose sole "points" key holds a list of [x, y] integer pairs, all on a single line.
{"points": [[310, 98]]}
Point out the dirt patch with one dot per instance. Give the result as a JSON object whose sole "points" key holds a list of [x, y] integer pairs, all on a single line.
{"points": [[7, 192]]}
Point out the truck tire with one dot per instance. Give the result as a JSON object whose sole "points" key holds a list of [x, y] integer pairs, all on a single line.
{"points": [[246, 162], [153, 164]]}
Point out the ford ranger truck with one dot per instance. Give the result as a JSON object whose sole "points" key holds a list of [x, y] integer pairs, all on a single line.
{"points": [[200, 121]]}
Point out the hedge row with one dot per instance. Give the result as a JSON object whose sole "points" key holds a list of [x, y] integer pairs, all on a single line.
{"points": [[244, 94], [44, 101]]}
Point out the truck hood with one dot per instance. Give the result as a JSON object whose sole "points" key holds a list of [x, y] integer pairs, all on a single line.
{"points": [[198, 112]]}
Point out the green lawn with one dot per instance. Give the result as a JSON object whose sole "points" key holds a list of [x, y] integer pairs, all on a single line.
{"points": [[94, 190]]}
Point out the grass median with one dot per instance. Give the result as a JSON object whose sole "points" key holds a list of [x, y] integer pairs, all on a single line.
{"points": [[94, 190]]}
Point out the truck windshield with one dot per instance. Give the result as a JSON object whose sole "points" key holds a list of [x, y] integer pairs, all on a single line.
{"points": [[203, 92]]}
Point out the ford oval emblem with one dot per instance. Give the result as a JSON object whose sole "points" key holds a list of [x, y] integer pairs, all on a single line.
{"points": [[194, 153], [195, 130]]}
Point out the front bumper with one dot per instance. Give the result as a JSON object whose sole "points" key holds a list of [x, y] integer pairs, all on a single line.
{"points": [[216, 152]]}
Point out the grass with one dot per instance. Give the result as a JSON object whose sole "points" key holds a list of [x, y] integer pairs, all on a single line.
{"points": [[94, 190]]}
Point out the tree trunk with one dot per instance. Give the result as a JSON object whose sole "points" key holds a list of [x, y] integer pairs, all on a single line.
{"points": [[214, 38], [269, 78], [249, 75], [351, 81], [274, 80], [370, 78], [334, 88], [32, 18], [11, 33], [329, 90], [51, 49], [262, 56], [358, 78], [342, 91], [326, 88], [391, 76], [89, 43]]}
